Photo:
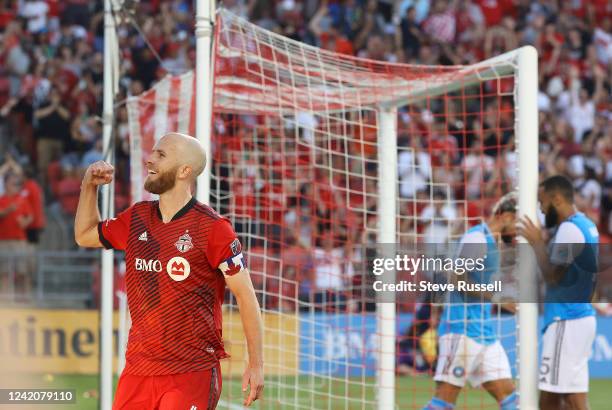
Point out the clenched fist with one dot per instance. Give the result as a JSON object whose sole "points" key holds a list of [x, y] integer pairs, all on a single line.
{"points": [[99, 173]]}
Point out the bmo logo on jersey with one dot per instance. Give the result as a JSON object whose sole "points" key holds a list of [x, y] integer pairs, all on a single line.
{"points": [[148, 265], [178, 268]]}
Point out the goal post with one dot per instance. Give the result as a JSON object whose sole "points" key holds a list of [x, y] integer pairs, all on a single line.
{"points": [[387, 234], [205, 14], [316, 156], [523, 64], [527, 148]]}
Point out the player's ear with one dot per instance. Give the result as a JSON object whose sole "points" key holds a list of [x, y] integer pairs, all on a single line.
{"points": [[184, 172], [556, 198]]}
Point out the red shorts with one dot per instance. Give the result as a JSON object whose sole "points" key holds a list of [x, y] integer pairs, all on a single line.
{"points": [[195, 391]]}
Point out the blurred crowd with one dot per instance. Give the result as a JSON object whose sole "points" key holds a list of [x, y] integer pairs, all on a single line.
{"points": [[444, 176], [574, 42], [51, 72]]}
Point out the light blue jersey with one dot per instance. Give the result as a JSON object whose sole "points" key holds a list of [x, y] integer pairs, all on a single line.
{"points": [[466, 314], [575, 245]]}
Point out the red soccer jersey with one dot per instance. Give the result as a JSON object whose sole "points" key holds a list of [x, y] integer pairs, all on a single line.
{"points": [[34, 195], [174, 286], [9, 224]]}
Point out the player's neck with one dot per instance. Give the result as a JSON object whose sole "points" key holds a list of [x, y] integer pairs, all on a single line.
{"points": [[494, 226], [173, 201], [566, 211]]}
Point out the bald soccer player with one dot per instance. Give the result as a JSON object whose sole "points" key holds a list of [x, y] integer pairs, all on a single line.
{"points": [[179, 254]]}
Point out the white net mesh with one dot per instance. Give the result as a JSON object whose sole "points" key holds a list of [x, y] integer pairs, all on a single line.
{"points": [[295, 167]]}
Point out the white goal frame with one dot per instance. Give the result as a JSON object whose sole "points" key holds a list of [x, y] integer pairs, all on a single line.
{"points": [[523, 63]]}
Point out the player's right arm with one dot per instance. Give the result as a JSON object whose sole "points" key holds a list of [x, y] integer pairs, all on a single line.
{"points": [[567, 243], [87, 215]]}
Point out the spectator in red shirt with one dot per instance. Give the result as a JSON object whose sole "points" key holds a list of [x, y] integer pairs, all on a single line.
{"points": [[493, 10], [15, 216], [7, 13], [329, 34], [31, 192], [15, 211], [441, 23], [69, 189], [34, 195], [470, 21]]}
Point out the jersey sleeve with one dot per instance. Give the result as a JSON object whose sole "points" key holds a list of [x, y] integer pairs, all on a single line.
{"points": [[473, 245], [567, 244], [114, 233], [224, 249]]}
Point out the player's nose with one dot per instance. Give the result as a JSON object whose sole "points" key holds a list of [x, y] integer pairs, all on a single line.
{"points": [[149, 161]]}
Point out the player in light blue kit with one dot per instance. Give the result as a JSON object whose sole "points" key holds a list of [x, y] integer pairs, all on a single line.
{"points": [[569, 265], [468, 346]]}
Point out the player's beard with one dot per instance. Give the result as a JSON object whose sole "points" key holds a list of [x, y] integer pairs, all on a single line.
{"points": [[551, 218], [165, 181], [507, 237]]}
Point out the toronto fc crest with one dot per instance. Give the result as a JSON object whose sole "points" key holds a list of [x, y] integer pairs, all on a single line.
{"points": [[184, 243], [236, 247]]}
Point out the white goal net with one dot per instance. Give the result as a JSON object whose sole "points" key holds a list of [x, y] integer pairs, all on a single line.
{"points": [[316, 156]]}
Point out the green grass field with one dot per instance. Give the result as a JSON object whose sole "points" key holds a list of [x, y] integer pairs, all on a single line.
{"points": [[412, 393]]}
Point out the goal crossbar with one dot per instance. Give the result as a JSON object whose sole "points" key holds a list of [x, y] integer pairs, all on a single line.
{"points": [[340, 85]]}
